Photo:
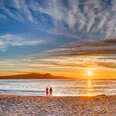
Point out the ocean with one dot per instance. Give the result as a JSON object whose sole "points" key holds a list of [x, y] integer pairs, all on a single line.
{"points": [[64, 87]]}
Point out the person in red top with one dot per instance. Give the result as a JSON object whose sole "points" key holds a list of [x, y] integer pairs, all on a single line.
{"points": [[47, 91], [51, 91]]}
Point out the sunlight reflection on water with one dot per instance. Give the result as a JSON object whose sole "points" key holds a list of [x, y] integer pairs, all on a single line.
{"points": [[90, 90], [60, 87], [89, 84]]}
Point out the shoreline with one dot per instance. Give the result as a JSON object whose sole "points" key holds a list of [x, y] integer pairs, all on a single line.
{"points": [[19, 105], [21, 95], [52, 95]]}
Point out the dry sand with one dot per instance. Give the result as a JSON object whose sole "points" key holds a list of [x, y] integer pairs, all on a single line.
{"points": [[57, 106]]}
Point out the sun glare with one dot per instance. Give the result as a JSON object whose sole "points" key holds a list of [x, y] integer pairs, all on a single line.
{"points": [[89, 73]]}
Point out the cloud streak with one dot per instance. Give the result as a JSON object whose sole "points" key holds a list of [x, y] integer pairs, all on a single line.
{"points": [[79, 34], [10, 40], [86, 48], [85, 54], [88, 16]]}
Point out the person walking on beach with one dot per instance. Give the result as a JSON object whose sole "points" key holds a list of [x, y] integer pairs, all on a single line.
{"points": [[47, 91], [51, 91]]}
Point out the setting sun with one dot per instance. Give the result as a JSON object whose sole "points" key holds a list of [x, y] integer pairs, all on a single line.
{"points": [[89, 73]]}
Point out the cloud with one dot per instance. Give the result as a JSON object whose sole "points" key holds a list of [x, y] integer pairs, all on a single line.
{"points": [[111, 65], [84, 52], [10, 40], [20, 12], [17, 4], [90, 16], [92, 47], [61, 62], [80, 32], [27, 12], [93, 43], [57, 64], [83, 65], [2, 16]]}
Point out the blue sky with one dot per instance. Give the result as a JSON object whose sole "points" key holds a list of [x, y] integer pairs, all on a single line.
{"points": [[37, 35]]}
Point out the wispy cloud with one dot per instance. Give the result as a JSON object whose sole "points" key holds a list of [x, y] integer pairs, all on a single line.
{"points": [[85, 54], [82, 33], [10, 40], [92, 47], [3, 16], [61, 63], [90, 16]]}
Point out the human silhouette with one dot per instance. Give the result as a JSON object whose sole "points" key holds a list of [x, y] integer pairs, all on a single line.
{"points": [[51, 91], [47, 91]]}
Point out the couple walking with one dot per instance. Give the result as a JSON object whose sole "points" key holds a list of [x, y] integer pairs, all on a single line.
{"points": [[49, 91]]}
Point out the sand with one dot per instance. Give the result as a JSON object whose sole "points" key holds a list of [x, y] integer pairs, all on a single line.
{"points": [[11, 105]]}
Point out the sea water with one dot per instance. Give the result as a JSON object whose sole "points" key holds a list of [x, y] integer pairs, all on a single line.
{"points": [[61, 87]]}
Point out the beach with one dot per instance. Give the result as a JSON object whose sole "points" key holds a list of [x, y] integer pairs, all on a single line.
{"points": [[12, 105]]}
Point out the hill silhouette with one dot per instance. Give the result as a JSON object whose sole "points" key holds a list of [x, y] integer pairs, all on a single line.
{"points": [[33, 76]]}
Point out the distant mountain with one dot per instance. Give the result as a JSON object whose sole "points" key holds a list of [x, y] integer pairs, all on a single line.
{"points": [[33, 76]]}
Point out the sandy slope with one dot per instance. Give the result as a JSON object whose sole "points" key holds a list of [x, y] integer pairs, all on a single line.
{"points": [[57, 106]]}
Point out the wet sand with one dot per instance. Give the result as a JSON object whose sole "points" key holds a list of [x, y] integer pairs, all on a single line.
{"points": [[11, 105]]}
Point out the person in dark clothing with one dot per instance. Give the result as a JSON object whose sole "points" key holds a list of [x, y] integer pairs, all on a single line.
{"points": [[47, 91], [51, 91]]}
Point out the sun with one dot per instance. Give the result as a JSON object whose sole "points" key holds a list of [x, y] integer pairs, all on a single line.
{"points": [[89, 73]]}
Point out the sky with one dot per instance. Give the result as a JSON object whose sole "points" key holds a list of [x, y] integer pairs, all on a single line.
{"points": [[61, 37]]}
